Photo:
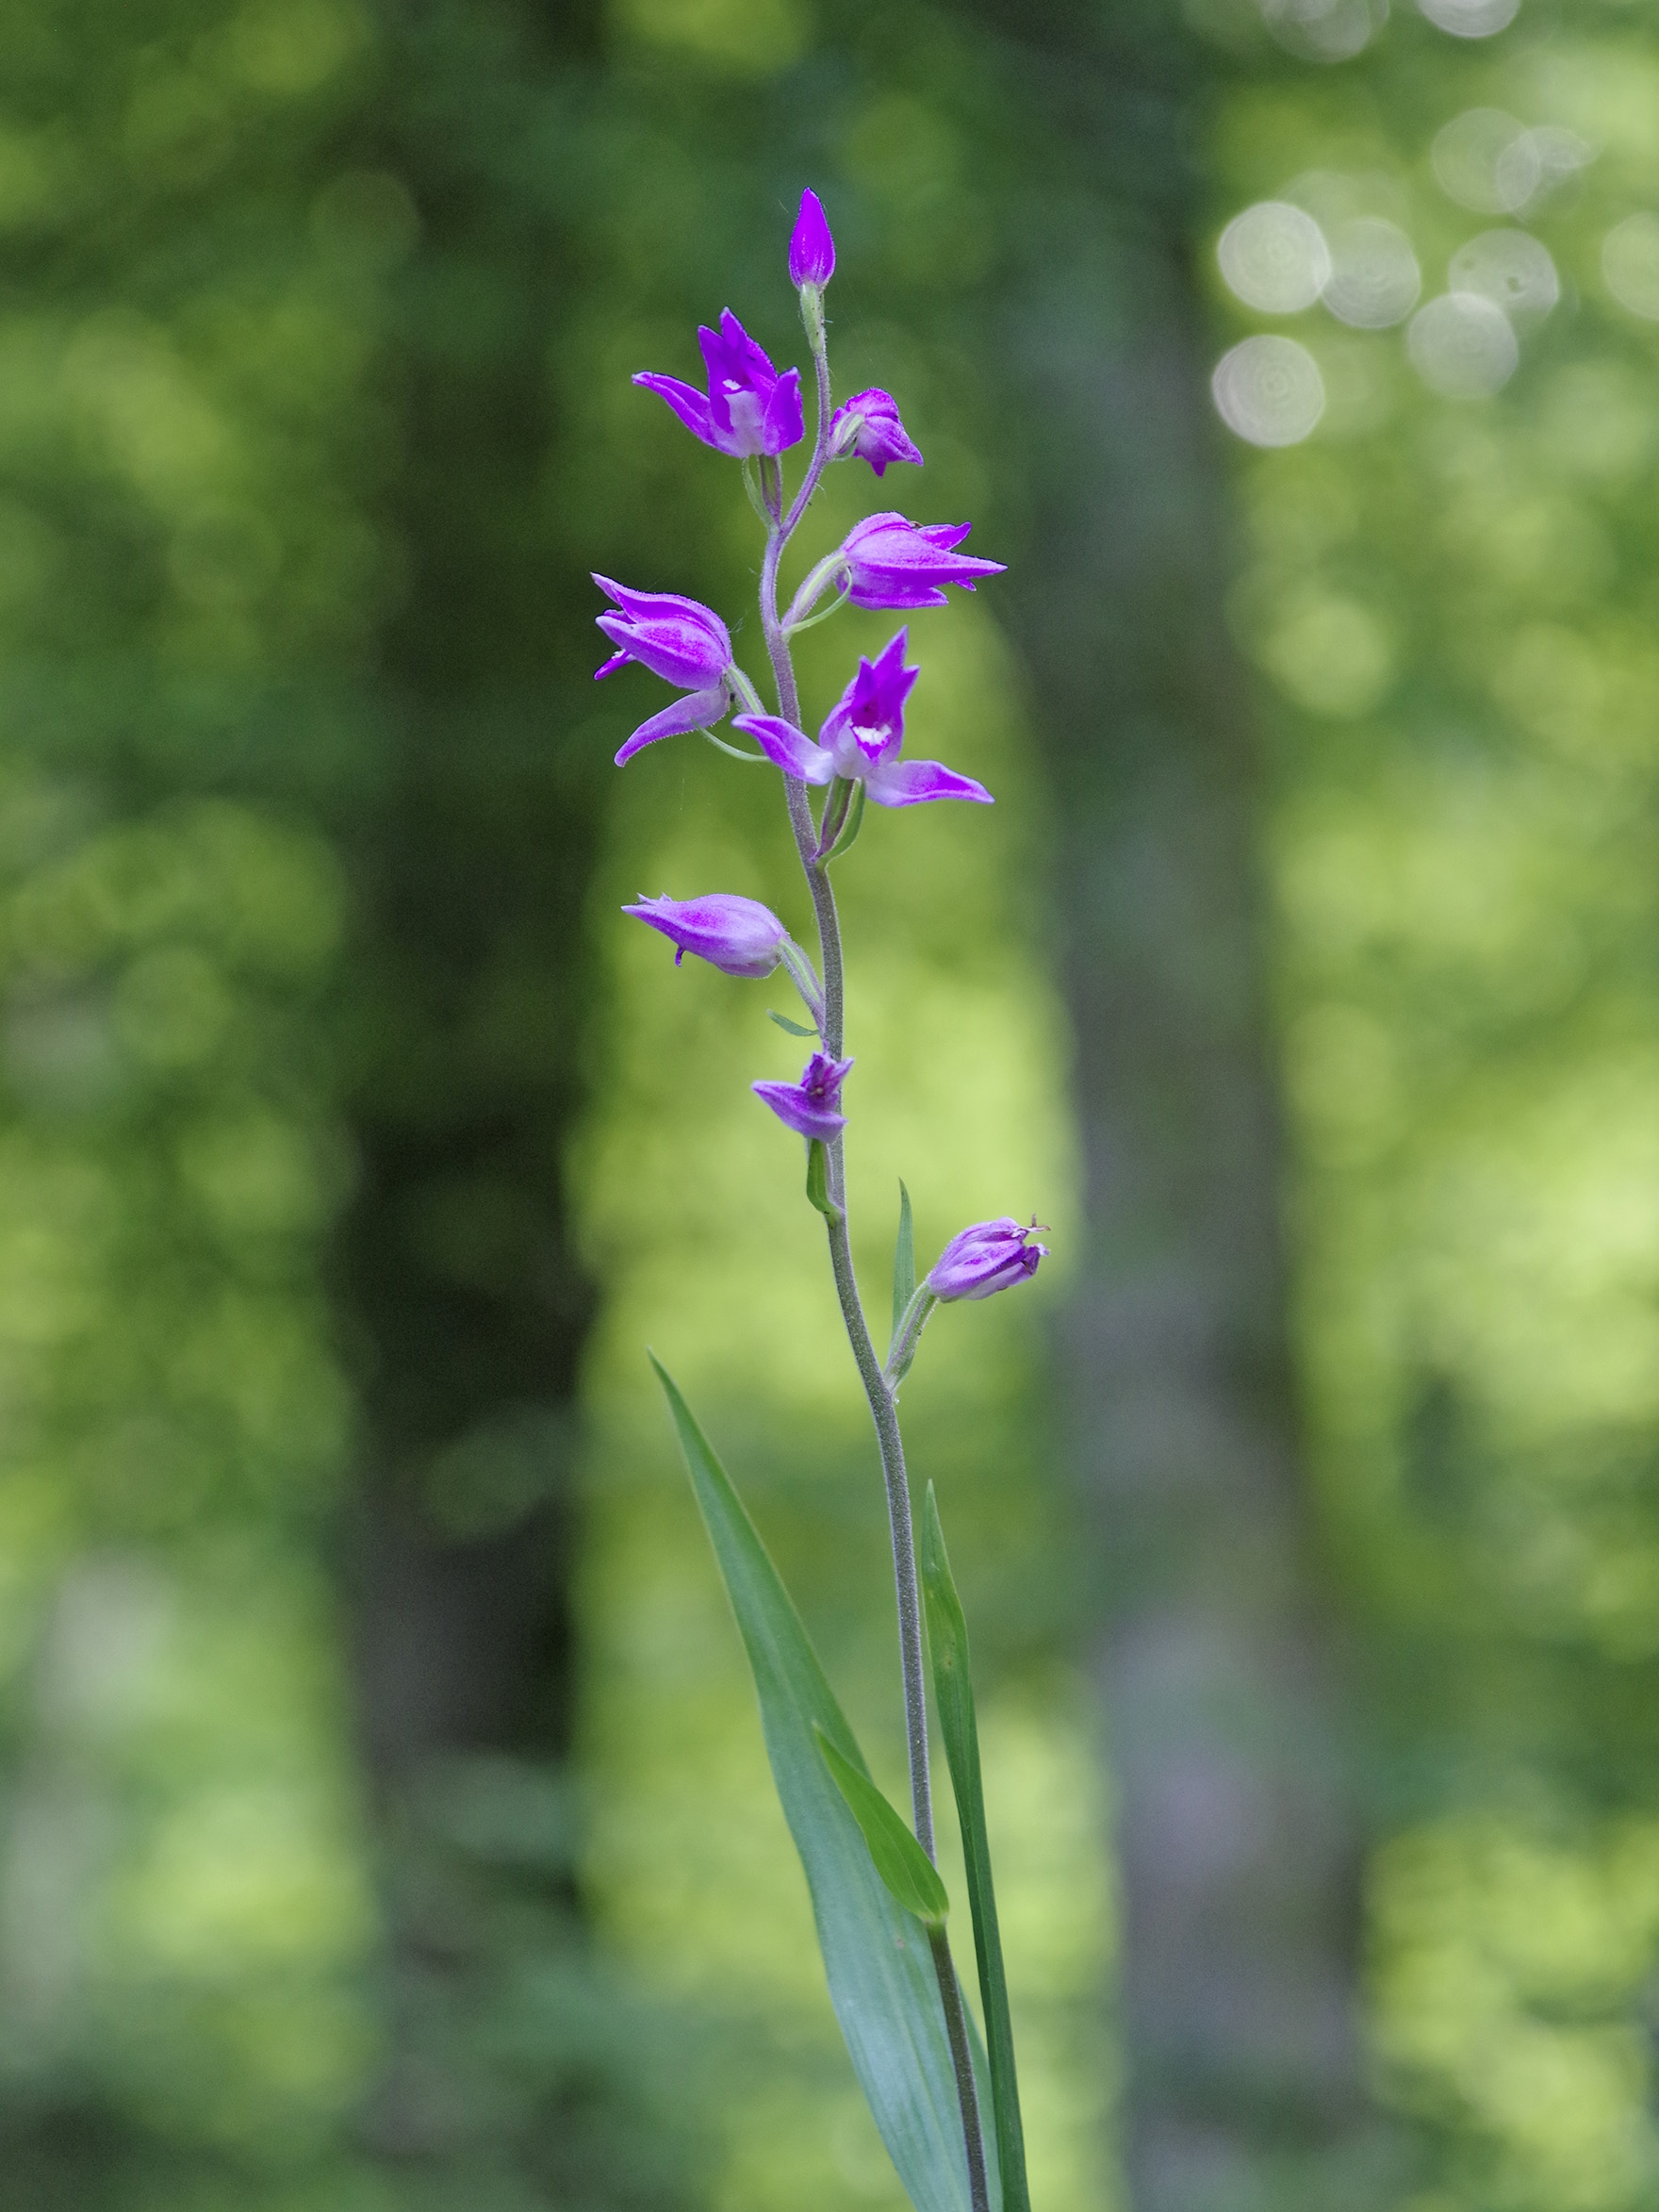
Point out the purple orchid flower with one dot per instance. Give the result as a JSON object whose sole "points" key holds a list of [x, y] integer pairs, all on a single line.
{"points": [[812, 1106], [681, 641], [739, 937], [861, 737], [812, 250], [892, 563], [868, 425], [749, 407], [989, 1256]]}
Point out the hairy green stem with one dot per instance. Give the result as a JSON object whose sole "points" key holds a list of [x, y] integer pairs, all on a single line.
{"points": [[885, 1414], [956, 2028], [883, 1410]]}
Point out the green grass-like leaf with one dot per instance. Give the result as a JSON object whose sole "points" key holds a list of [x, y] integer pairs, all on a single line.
{"points": [[953, 1692], [875, 1957], [904, 1260], [909, 1874]]}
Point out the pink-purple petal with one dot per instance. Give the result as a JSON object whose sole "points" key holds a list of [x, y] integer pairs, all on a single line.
{"points": [[788, 748], [912, 783], [687, 401], [785, 414], [799, 1112], [694, 712]]}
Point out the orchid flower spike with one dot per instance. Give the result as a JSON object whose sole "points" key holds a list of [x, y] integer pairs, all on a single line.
{"points": [[868, 425], [989, 1256], [812, 1106], [891, 563], [739, 937], [749, 407], [681, 641], [812, 250], [861, 737]]}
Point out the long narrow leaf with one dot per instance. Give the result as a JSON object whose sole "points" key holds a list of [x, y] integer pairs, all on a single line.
{"points": [[875, 1956], [953, 1690]]}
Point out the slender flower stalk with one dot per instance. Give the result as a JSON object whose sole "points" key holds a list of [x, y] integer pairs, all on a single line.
{"points": [[753, 413], [878, 1389]]}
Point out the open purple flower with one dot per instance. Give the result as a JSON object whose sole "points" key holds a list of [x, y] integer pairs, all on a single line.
{"points": [[678, 640], [749, 407], [812, 1106], [861, 737], [868, 425], [891, 563], [812, 250], [739, 937], [989, 1256]]}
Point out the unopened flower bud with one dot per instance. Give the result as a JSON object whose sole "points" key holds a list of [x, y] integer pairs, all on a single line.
{"points": [[989, 1256], [739, 937], [812, 250]]}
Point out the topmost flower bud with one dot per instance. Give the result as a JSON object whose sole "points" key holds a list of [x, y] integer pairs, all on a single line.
{"points": [[812, 250]]}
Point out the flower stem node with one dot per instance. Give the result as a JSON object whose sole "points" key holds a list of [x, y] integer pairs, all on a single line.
{"points": [[844, 818], [818, 1182], [906, 1334]]}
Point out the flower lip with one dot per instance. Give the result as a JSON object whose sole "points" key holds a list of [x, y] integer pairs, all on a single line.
{"points": [[812, 250], [748, 408], [737, 935], [986, 1258], [812, 1106], [865, 726]]}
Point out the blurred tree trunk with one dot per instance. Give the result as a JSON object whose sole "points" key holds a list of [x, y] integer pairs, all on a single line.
{"points": [[459, 1293], [1237, 1835]]}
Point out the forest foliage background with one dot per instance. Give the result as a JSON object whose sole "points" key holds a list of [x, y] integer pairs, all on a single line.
{"points": [[383, 1820]]}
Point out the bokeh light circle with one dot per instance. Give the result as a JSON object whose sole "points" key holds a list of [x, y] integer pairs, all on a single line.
{"points": [[1269, 390], [1462, 346], [1325, 30], [1470, 19], [1537, 163], [1510, 268], [1483, 159], [1630, 262], [1275, 258], [1374, 279]]}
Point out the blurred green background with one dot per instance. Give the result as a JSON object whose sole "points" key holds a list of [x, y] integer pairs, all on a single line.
{"points": [[383, 1824]]}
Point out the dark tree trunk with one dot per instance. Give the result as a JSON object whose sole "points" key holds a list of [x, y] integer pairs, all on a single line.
{"points": [[461, 1300], [1237, 1834]]}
